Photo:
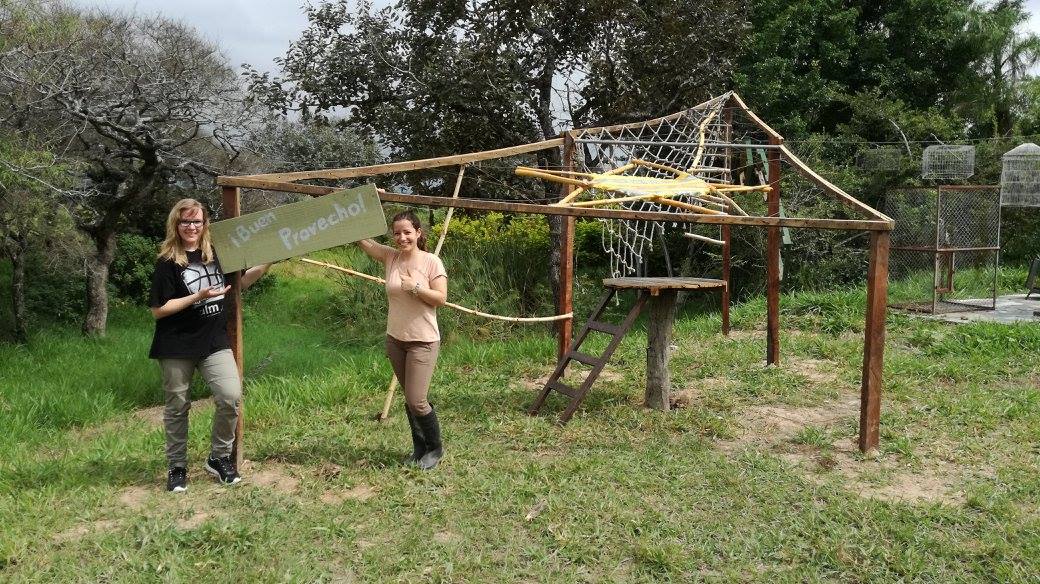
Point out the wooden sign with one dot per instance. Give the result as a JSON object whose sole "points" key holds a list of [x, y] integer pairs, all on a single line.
{"points": [[299, 228]]}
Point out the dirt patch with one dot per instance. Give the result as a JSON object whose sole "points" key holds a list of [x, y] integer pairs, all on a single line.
{"points": [[682, 398], [273, 476], [773, 428], [82, 530], [534, 383], [195, 520], [153, 416], [816, 371], [574, 376], [358, 493], [445, 537], [328, 470], [935, 481], [134, 498], [773, 425]]}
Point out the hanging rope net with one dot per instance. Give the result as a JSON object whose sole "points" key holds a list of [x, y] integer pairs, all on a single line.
{"points": [[679, 164]]}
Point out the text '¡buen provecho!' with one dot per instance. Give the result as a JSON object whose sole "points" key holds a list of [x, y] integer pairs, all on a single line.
{"points": [[292, 237]]}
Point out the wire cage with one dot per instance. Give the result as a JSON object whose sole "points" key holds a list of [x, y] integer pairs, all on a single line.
{"points": [[1020, 177], [948, 162], [886, 159], [945, 248]]}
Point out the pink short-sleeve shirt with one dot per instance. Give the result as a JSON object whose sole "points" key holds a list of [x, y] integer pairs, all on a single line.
{"points": [[409, 318]]}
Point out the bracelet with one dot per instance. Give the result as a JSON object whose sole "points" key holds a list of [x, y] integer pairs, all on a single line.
{"points": [[415, 290]]}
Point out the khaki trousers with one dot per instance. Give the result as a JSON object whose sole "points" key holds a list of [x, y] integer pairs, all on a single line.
{"points": [[220, 372], [413, 363]]}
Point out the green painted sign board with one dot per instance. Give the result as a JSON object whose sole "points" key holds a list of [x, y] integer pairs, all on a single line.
{"points": [[298, 228]]}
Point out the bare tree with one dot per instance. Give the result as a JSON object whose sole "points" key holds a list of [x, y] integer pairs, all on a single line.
{"points": [[142, 104]]}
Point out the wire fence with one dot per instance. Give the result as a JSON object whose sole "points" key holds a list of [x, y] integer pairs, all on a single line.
{"points": [[945, 248]]}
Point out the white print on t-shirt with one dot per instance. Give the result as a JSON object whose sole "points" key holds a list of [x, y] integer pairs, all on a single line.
{"points": [[198, 276]]}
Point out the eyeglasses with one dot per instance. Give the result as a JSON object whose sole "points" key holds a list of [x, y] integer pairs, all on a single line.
{"points": [[191, 223]]}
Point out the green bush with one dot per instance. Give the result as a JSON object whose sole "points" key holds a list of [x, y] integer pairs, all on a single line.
{"points": [[499, 261], [54, 286], [132, 267]]}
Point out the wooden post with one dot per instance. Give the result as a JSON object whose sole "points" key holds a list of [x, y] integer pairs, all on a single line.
{"points": [[659, 337], [726, 235], [726, 246], [773, 260], [233, 306], [874, 341], [566, 301]]}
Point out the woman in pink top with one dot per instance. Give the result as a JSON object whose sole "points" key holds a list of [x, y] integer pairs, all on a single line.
{"points": [[416, 284]]}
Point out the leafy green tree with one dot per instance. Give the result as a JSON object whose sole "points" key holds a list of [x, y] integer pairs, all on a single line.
{"points": [[143, 104], [427, 78], [29, 214], [809, 61], [430, 78], [1000, 98]]}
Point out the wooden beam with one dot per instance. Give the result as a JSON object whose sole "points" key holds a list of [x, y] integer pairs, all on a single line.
{"points": [[643, 124], [775, 137], [539, 209], [773, 264], [358, 171], [233, 306], [830, 188], [451, 211], [874, 342], [551, 176]]}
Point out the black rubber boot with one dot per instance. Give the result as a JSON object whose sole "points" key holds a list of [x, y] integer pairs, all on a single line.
{"points": [[418, 442], [431, 431]]}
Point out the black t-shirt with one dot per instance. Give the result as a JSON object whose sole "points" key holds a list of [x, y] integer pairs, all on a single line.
{"points": [[199, 330]]}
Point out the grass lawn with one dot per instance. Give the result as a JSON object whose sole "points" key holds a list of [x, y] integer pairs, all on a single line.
{"points": [[753, 477]]}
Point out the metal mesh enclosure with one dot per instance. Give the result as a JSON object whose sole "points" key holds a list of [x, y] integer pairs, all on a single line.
{"points": [[1020, 177], [946, 162], [945, 248]]}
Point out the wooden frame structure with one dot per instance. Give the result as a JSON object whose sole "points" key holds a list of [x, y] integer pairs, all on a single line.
{"points": [[876, 223]]}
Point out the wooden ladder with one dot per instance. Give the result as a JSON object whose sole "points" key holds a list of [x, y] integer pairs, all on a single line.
{"points": [[617, 332]]}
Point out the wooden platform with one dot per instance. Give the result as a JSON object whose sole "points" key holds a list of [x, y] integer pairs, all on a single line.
{"points": [[655, 285], [662, 296]]}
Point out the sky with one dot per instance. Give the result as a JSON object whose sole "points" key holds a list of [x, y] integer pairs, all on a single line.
{"points": [[247, 31], [256, 32]]}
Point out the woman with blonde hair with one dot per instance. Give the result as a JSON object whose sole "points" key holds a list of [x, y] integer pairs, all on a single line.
{"points": [[187, 301]]}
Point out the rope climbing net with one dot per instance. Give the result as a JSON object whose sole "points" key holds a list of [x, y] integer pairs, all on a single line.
{"points": [[678, 163]]}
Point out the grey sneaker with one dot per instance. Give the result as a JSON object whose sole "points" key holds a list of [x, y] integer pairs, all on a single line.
{"points": [[177, 479], [223, 469]]}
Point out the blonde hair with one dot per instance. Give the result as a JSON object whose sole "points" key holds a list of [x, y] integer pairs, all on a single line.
{"points": [[172, 247]]}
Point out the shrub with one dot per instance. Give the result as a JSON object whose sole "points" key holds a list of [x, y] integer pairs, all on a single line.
{"points": [[132, 267], [54, 286]]}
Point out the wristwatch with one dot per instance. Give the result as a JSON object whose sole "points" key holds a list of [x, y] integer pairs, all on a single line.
{"points": [[415, 289]]}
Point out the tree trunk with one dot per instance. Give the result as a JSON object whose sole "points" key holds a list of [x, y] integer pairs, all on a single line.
{"points": [[17, 253], [96, 320], [659, 338]]}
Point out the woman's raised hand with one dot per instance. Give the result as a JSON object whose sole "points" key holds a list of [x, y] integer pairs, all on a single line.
{"points": [[407, 281]]}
